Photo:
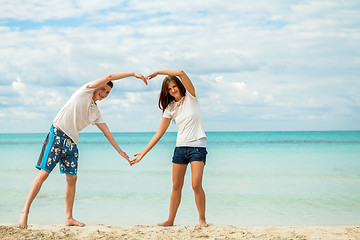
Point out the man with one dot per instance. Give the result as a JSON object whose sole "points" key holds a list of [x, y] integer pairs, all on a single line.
{"points": [[79, 112]]}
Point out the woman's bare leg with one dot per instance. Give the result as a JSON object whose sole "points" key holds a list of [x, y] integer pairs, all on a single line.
{"points": [[197, 170], [178, 174]]}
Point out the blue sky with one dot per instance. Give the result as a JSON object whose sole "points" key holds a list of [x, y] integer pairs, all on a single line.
{"points": [[256, 65]]}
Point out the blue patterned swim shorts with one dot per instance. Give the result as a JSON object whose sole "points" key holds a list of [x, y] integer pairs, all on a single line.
{"points": [[58, 147]]}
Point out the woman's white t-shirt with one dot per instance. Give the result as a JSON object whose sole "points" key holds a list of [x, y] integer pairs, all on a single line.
{"points": [[187, 115], [79, 112]]}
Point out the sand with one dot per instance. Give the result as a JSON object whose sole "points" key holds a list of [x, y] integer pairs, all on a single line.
{"points": [[179, 232]]}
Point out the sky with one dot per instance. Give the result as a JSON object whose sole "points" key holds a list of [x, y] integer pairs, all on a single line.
{"points": [[256, 65]]}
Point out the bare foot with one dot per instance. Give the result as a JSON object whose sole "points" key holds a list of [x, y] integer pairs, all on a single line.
{"points": [[73, 222], [23, 220], [202, 223], [166, 224]]}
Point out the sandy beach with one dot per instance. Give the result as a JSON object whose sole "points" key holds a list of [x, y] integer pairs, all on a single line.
{"points": [[179, 232]]}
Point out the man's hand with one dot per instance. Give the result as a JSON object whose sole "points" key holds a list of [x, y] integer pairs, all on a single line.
{"points": [[139, 76], [124, 155]]}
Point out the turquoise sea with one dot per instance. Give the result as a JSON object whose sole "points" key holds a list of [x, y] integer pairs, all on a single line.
{"points": [[251, 178]]}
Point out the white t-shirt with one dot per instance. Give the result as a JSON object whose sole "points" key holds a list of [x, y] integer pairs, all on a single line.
{"points": [[187, 115], [79, 112]]}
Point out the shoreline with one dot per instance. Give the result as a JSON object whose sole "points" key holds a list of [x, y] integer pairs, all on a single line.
{"points": [[58, 231]]}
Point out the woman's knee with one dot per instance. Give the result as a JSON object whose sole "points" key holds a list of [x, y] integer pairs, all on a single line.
{"points": [[177, 186], [197, 187]]}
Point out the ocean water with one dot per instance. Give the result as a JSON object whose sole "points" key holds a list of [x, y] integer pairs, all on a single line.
{"points": [[250, 179]]}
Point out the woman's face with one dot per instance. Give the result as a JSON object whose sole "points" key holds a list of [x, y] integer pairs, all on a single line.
{"points": [[101, 93], [174, 90]]}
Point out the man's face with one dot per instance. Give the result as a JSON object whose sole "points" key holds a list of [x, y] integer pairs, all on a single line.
{"points": [[102, 93]]}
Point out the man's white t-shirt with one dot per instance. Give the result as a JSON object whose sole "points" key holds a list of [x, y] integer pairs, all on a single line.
{"points": [[79, 112], [187, 115]]}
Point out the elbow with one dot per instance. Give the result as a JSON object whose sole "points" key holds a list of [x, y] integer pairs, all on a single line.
{"points": [[181, 72], [109, 77]]}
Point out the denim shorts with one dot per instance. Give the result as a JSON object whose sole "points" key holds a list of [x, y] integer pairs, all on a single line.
{"points": [[58, 148], [185, 155]]}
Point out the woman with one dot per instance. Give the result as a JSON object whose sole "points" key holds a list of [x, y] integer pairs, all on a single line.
{"points": [[178, 101]]}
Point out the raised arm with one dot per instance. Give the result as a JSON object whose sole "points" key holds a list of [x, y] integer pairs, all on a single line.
{"points": [[100, 82], [104, 128], [175, 72], [154, 140]]}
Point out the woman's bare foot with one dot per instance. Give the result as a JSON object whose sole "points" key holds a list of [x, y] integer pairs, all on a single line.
{"points": [[23, 220], [166, 224], [73, 222], [202, 223]]}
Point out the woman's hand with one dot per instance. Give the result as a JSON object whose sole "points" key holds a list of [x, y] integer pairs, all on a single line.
{"points": [[137, 158], [151, 75]]}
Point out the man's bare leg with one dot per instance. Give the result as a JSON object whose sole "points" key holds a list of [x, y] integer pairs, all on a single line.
{"points": [[34, 190], [69, 198]]}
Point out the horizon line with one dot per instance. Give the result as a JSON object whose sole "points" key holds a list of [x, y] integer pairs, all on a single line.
{"points": [[217, 131]]}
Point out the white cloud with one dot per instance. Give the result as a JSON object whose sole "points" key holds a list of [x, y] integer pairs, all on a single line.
{"points": [[355, 96], [245, 57], [239, 85], [19, 86], [20, 114], [25, 115], [48, 98], [36, 10]]}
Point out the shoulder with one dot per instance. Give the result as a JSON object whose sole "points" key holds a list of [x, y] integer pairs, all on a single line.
{"points": [[190, 96], [85, 89], [83, 93]]}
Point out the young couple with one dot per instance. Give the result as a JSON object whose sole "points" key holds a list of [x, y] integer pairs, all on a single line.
{"points": [[177, 100]]}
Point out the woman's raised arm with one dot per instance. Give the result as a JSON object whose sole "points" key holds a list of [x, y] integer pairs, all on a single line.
{"points": [[175, 72]]}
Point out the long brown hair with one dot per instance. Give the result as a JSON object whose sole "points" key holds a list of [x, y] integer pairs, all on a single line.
{"points": [[165, 97]]}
